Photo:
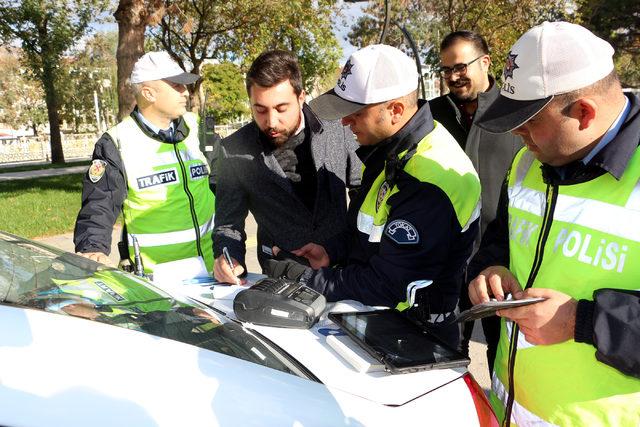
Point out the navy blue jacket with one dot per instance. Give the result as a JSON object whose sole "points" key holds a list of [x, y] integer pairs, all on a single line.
{"points": [[378, 273]]}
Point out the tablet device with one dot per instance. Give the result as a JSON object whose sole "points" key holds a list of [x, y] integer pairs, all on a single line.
{"points": [[397, 342], [489, 308]]}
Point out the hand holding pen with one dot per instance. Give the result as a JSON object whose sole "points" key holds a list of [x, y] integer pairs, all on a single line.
{"points": [[226, 269]]}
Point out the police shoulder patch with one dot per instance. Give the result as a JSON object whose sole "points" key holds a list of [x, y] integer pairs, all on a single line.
{"points": [[402, 232], [96, 170]]}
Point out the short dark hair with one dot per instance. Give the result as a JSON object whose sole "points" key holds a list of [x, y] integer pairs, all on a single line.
{"points": [[479, 43], [602, 87], [411, 99], [273, 67]]}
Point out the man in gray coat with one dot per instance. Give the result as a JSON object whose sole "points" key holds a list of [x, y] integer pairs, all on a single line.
{"points": [[288, 167], [464, 64]]}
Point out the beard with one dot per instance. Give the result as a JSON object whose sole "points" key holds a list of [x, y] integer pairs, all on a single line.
{"points": [[462, 97], [283, 134], [282, 137]]}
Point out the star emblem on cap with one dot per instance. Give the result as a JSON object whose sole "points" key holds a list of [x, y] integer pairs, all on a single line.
{"points": [[510, 66], [346, 70]]}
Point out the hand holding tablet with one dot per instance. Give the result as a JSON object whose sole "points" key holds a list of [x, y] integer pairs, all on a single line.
{"points": [[489, 308]]}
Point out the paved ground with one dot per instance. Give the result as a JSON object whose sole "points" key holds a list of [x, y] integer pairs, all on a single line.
{"points": [[8, 176], [478, 365]]}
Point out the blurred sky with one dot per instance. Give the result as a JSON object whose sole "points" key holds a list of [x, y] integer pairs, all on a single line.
{"points": [[341, 26]]}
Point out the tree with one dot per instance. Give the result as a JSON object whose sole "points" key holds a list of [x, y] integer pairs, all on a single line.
{"points": [[411, 14], [21, 99], [46, 29], [500, 22], [628, 69], [303, 27], [226, 96], [89, 71], [618, 22], [133, 17], [194, 31]]}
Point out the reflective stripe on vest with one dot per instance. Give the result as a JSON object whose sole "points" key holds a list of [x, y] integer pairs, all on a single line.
{"points": [[173, 237], [169, 207], [593, 233], [366, 225], [520, 413], [585, 212]]}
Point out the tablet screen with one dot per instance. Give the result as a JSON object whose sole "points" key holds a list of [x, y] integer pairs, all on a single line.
{"points": [[397, 342]]}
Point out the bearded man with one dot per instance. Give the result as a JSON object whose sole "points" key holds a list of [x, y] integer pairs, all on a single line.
{"points": [[288, 167]]}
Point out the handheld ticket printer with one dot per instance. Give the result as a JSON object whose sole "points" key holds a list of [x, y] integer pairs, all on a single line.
{"points": [[279, 302]]}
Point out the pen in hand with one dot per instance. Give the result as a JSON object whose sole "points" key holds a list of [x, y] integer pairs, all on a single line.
{"points": [[227, 257]]}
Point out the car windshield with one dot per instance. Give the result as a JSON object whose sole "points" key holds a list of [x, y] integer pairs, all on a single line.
{"points": [[37, 276]]}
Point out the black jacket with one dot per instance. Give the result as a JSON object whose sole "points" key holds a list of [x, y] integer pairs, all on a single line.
{"points": [[102, 201], [490, 153], [611, 322], [378, 273], [251, 179]]}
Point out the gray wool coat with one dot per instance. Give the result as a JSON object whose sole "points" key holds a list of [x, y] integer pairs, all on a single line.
{"points": [[250, 179], [491, 154]]}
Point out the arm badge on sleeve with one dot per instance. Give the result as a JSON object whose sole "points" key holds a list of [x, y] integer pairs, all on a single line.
{"points": [[402, 232], [96, 170], [382, 193]]}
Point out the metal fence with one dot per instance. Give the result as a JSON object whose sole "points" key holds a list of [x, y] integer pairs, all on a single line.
{"points": [[226, 130], [38, 148], [75, 146]]}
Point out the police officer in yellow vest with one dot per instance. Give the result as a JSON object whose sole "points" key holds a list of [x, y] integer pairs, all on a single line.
{"points": [[150, 167], [567, 230], [413, 220]]}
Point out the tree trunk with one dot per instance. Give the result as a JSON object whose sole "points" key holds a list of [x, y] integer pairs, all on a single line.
{"points": [[131, 27], [195, 94], [51, 98], [34, 126]]}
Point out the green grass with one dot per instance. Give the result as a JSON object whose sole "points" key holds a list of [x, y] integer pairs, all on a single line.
{"points": [[35, 167], [40, 207]]}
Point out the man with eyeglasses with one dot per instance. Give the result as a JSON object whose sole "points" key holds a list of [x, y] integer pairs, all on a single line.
{"points": [[464, 65]]}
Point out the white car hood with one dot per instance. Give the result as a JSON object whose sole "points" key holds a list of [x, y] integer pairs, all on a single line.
{"points": [[60, 370], [310, 348]]}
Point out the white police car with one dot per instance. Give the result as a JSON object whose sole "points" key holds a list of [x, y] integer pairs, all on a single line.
{"points": [[84, 345]]}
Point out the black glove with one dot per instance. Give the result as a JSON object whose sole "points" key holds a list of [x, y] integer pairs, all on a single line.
{"points": [[290, 269]]}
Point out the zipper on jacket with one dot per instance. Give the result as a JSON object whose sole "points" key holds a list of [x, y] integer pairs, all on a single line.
{"points": [[547, 220], [194, 216]]}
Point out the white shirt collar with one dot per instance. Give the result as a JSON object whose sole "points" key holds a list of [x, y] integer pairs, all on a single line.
{"points": [[301, 126], [153, 127]]}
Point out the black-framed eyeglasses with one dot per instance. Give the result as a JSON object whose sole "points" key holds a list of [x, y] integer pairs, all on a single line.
{"points": [[458, 68]]}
